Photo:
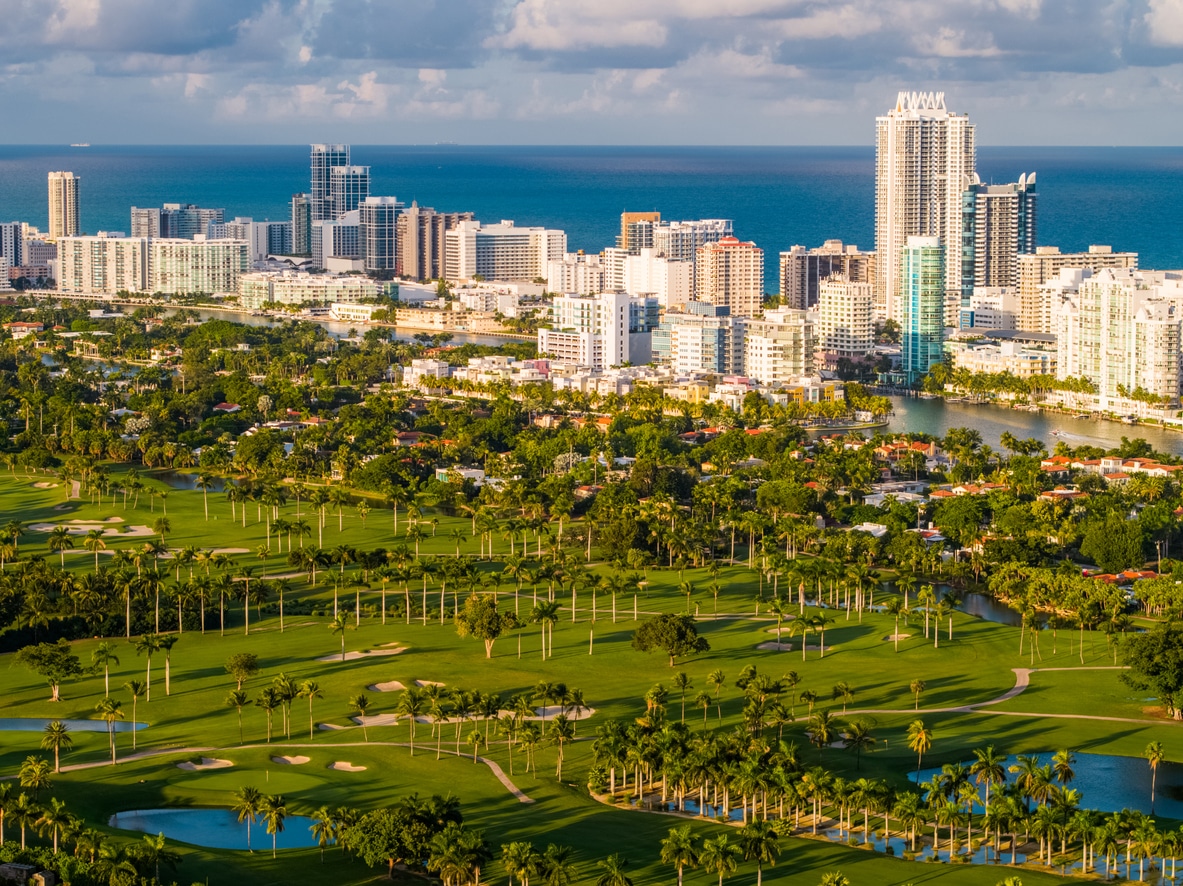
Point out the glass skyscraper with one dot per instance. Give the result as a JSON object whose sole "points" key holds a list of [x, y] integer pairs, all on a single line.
{"points": [[922, 300]]}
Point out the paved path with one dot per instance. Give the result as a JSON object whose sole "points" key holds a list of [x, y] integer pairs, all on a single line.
{"points": [[1022, 681]]}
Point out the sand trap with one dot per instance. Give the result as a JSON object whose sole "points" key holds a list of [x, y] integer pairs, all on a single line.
{"points": [[78, 527], [231, 550], [425, 683], [206, 763], [108, 520], [329, 727], [893, 637], [44, 485], [783, 629], [773, 646], [290, 761], [388, 645], [380, 720], [354, 656], [549, 712], [391, 686], [346, 766]]}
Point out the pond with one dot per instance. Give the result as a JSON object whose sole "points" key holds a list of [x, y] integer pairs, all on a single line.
{"points": [[989, 609], [214, 828], [1110, 783], [34, 724], [186, 480]]}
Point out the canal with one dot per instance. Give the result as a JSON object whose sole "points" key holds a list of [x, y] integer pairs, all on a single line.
{"points": [[936, 417]]}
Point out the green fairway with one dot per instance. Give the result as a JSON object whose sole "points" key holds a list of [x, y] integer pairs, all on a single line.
{"points": [[193, 720]]}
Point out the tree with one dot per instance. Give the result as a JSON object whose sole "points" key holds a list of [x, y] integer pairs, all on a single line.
{"points": [[675, 634], [858, 738], [53, 661], [151, 852], [719, 856], [680, 849], [274, 810], [310, 690], [242, 666], [57, 738], [103, 656], [136, 688], [34, 773], [147, 645], [761, 844], [1154, 755], [917, 687], [480, 618], [248, 803], [238, 700], [339, 625], [1114, 543], [110, 710], [834, 878], [919, 740], [361, 704]]}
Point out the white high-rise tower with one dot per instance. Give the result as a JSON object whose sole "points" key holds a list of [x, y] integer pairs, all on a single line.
{"points": [[323, 160], [924, 160], [63, 204]]}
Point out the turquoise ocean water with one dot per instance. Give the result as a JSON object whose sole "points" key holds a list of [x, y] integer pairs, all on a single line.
{"points": [[1131, 198]]}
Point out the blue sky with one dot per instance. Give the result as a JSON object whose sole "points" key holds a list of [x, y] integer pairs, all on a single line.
{"points": [[584, 71]]}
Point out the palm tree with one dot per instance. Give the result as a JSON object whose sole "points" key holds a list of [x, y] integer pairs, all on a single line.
{"points": [[103, 656], [919, 741], [274, 810], [150, 851], [248, 804], [61, 541], [136, 688], [361, 704], [339, 625], [34, 773], [858, 738], [110, 710], [57, 738], [917, 686], [561, 731], [680, 850], [834, 878], [24, 814], [204, 482], [988, 769], [146, 645], [520, 859], [310, 690], [54, 818], [1154, 755], [556, 867], [238, 700], [720, 856], [761, 844], [843, 691], [324, 828], [546, 614], [94, 543], [614, 875]]}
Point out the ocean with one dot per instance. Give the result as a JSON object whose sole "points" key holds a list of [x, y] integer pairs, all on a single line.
{"points": [[1130, 198]]}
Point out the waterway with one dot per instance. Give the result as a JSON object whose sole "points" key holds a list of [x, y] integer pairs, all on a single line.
{"points": [[936, 417]]}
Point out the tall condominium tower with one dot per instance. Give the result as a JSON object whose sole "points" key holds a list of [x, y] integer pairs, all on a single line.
{"points": [[378, 220], [998, 225], [348, 187], [922, 304], [924, 160], [636, 231], [63, 204], [420, 241], [802, 270], [324, 159], [301, 224]]}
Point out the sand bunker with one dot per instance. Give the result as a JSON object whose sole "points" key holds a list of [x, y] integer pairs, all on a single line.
{"points": [[773, 646], [549, 712], [379, 720], [80, 527], [783, 629], [893, 637], [290, 761], [425, 683], [231, 550], [206, 763], [354, 656], [391, 686], [346, 766], [44, 485], [329, 727]]}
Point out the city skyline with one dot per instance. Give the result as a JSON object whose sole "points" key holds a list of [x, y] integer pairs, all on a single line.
{"points": [[576, 72]]}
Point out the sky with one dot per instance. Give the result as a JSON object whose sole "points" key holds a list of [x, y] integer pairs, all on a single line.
{"points": [[756, 72]]}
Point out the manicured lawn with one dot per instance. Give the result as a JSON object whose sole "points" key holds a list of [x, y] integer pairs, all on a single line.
{"points": [[975, 666]]}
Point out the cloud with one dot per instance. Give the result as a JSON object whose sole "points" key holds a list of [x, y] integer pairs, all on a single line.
{"points": [[1164, 21], [411, 33]]}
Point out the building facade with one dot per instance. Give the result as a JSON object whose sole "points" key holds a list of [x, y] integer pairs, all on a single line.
{"points": [[102, 264], [730, 273], [336, 239], [779, 348], [576, 273], [681, 240], [421, 245], [324, 158], [184, 267], [649, 273], [12, 241], [922, 320], [175, 221], [845, 321], [378, 232], [924, 160], [802, 270], [998, 224], [1036, 309], [301, 224], [700, 338], [349, 186], [63, 204], [261, 290], [636, 231], [599, 331], [501, 252]]}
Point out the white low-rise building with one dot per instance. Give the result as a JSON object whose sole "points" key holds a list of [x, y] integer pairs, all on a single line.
{"points": [[1005, 356], [261, 290], [424, 371], [501, 252]]}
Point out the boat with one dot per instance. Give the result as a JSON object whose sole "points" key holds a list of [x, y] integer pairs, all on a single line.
{"points": [[1082, 415], [1056, 432], [1129, 419], [80, 145]]}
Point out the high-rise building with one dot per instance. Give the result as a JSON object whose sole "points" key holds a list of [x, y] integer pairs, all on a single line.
{"points": [[378, 220], [63, 204], [845, 321], [575, 274], [680, 241], [421, 243], [922, 304], [598, 331], [779, 348], [802, 270], [12, 241], [700, 338], [301, 224], [502, 252], [102, 264], [670, 282], [998, 225], [265, 237], [174, 221], [348, 186], [924, 160], [1121, 331], [320, 192], [199, 265], [1036, 308], [338, 239], [730, 272], [636, 231]]}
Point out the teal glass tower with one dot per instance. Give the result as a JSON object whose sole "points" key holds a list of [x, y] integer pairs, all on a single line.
{"points": [[922, 269]]}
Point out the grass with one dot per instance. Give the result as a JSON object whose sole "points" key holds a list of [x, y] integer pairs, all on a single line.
{"points": [[975, 666]]}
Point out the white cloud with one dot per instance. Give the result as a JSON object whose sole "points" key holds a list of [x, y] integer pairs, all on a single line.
{"points": [[1165, 22]]}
